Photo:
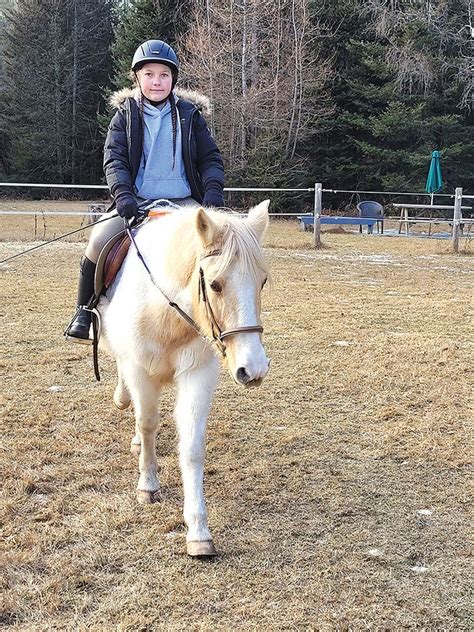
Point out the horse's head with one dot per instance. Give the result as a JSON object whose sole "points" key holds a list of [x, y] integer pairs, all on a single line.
{"points": [[232, 275]]}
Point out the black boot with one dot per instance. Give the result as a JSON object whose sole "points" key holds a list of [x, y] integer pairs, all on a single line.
{"points": [[78, 330]]}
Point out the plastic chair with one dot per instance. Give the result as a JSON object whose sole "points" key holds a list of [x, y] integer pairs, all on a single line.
{"points": [[371, 209]]}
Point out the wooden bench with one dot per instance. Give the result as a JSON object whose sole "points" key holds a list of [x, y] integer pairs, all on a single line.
{"points": [[307, 221]]}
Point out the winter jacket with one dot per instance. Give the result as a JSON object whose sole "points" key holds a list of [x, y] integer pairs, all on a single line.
{"points": [[124, 145]]}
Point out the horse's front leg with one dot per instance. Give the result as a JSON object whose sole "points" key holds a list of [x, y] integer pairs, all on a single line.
{"points": [[194, 395], [145, 395]]}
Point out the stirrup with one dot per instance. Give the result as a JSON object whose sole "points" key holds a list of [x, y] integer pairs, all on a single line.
{"points": [[78, 339]]}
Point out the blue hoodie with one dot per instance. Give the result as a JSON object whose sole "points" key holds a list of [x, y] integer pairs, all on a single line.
{"points": [[156, 177]]}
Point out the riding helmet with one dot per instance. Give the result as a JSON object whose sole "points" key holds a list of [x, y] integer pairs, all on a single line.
{"points": [[156, 51]]}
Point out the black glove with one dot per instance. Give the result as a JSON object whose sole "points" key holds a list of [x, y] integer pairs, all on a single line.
{"points": [[127, 206], [213, 198]]}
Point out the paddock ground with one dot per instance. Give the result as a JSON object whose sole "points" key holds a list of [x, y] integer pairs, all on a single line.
{"points": [[337, 492]]}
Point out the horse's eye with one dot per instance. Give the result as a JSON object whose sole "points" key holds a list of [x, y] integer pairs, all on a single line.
{"points": [[216, 287], [263, 283]]}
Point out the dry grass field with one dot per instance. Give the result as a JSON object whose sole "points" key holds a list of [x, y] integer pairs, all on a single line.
{"points": [[337, 492]]}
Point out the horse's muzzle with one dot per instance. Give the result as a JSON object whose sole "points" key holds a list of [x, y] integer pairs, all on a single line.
{"points": [[245, 379]]}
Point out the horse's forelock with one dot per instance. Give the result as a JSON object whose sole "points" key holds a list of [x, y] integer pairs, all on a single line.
{"points": [[240, 243]]}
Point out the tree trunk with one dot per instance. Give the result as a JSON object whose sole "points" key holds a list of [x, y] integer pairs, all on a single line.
{"points": [[56, 34], [295, 80], [75, 71], [243, 142]]}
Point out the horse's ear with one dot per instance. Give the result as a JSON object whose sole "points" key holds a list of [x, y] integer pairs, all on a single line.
{"points": [[207, 229], [258, 218]]}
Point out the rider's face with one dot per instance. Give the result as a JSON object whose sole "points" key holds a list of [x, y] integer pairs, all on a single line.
{"points": [[156, 81]]}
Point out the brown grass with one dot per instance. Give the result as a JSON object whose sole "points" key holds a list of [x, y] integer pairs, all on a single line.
{"points": [[313, 481], [41, 227]]}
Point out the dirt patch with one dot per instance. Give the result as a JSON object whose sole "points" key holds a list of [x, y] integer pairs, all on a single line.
{"points": [[337, 492]]}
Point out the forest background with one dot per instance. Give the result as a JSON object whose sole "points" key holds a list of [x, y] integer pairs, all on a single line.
{"points": [[355, 94]]}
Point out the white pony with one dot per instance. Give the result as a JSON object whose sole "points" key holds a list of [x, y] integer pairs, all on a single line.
{"points": [[211, 265]]}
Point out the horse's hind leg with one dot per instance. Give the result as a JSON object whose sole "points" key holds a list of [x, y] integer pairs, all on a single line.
{"points": [[145, 395], [195, 390], [122, 397], [122, 400]]}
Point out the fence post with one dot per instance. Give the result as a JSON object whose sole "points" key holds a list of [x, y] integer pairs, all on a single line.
{"points": [[457, 218], [318, 205], [94, 208]]}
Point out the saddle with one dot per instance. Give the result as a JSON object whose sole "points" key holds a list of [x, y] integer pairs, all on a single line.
{"points": [[114, 252], [110, 260]]}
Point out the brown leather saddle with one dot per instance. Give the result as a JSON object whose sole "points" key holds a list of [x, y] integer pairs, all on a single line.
{"points": [[110, 260]]}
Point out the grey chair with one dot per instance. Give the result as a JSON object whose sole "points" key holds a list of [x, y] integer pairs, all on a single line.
{"points": [[372, 209]]}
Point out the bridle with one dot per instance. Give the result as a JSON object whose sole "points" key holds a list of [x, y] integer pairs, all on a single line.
{"points": [[218, 336]]}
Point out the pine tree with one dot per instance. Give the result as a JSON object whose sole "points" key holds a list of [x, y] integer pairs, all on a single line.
{"points": [[427, 48], [400, 93], [4, 131], [56, 58], [142, 20]]}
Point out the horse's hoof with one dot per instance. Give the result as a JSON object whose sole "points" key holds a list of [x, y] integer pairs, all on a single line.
{"points": [[201, 549], [148, 498], [135, 448]]}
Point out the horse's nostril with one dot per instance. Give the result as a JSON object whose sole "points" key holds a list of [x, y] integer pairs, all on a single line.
{"points": [[242, 375]]}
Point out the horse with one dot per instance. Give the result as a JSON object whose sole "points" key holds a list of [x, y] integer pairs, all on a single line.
{"points": [[189, 289]]}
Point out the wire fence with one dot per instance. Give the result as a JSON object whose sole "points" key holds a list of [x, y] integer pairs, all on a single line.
{"points": [[90, 209], [281, 190]]}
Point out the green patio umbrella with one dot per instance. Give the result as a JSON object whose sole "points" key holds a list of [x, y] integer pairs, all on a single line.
{"points": [[434, 181]]}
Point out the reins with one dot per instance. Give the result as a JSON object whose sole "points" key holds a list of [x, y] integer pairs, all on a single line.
{"points": [[218, 335]]}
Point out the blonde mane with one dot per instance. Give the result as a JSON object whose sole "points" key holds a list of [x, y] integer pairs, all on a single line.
{"points": [[240, 243]]}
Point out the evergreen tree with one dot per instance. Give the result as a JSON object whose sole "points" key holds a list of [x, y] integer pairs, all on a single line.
{"points": [[142, 20], [400, 93], [399, 78], [4, 133], [56, 58]]}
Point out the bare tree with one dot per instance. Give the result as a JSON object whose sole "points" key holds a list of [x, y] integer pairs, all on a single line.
{"points": [[253, 57], [435, 36]]}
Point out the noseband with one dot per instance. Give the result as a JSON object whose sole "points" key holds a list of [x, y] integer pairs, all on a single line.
{"points": [[218, 335]]}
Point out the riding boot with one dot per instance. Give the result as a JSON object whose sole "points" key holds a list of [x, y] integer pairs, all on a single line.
{"points": [[78, 330]]}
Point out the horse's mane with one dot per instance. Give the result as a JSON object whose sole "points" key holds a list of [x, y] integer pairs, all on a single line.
{"points": [[238, 242]]}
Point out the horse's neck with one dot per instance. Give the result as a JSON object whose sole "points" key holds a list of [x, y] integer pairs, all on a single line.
{"points": [[172, 248]]}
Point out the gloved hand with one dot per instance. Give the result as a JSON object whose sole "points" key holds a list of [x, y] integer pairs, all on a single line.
{"points": [[213, 198], [127, 206]]}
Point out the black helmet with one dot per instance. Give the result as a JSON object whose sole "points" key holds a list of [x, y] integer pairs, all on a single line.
{"points": [[156, 51]]}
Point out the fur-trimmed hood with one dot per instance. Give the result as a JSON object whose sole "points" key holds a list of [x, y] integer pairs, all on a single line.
{"points": [[196, 98]]}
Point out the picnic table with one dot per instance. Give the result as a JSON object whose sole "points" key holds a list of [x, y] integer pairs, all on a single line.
{"points": [[435, 215], [307, 221]]}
